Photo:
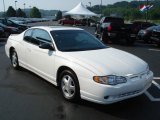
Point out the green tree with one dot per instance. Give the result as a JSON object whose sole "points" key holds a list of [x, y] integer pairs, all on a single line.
{"points": [[59, 15], [129, 10], [20, 13], [35, 13], [11, 12], [154, 13]]}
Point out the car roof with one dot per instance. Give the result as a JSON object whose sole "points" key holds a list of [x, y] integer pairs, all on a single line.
{"points": [[54, 28]]}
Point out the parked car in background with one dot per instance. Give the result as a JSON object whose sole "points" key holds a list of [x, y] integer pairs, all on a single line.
{"points": [[80, 64], [145, 34], [115, 30], [140, 25], [11, 23], [89, 22], [9, 30], [155, 37], [70, 21], [1, 32]]}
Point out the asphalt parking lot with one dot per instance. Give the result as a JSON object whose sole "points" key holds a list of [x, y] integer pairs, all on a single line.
{"points": [[25, 96]]}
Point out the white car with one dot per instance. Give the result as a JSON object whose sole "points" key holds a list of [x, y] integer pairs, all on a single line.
{"points": [[79, 64]]}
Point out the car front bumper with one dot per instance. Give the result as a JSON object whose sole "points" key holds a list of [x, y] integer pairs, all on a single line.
{"points": [[107, 94]]}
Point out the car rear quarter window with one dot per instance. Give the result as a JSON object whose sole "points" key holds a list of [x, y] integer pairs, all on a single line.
{"points": [[28, 35]]}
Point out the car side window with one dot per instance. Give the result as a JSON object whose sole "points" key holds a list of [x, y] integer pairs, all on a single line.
{"points": [[40, 36]]}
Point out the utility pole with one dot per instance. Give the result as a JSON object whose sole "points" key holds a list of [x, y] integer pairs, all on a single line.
{"points": [[90, 4], [30, 10], [4, 8], [101, 7], [147, 11], [16, 5], [24, 7]]}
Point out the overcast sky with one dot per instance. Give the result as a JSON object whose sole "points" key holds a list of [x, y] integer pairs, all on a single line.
{"points": [[53, 4]]}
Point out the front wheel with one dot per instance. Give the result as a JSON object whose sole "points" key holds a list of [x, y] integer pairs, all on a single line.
{"points": [[69, 86]]}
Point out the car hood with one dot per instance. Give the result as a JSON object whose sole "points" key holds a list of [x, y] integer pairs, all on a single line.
{"points": [[109, 61]]}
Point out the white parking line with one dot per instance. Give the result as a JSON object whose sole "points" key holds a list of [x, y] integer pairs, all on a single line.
{"points": [[157, 50], [151, 97], [156, 84]]}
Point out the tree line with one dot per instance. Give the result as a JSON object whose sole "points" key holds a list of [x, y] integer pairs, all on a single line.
{"points": [[11, 12], [32, 13], [129, 10]]}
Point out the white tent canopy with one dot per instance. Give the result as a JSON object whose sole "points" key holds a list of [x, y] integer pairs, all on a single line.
{"points": [[80, 9]]}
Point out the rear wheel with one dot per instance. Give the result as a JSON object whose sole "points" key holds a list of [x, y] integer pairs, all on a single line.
{"points": [[104, 37], [14, 59], [69, 86], [146, 40]]}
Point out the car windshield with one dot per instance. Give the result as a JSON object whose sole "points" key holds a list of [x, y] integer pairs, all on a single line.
{"points": [[76, 40]]}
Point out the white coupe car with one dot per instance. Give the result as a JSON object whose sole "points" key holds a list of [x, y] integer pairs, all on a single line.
{"points": [[79, 64]]}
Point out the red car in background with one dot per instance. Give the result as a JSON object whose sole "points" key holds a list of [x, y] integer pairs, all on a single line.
{"points": [[70, 21]]}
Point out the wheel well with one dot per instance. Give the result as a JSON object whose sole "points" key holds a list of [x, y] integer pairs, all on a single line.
{"points": [[10, 51], [60, 70]]}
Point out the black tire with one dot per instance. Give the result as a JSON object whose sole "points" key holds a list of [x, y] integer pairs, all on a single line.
{"points": [[6, 34], [146, 41], [14, 59], [131, 42], [74, 94], [104, 37]]}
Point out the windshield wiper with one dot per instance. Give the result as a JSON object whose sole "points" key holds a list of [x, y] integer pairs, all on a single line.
{"points": [[73, 49]]}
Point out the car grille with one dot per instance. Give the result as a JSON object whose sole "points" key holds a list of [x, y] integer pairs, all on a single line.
{"points": [[128, 93], [140, 75]]}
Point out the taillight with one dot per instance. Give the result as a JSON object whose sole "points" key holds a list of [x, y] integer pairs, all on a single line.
{"points": [[109, 28], [145, 31]]}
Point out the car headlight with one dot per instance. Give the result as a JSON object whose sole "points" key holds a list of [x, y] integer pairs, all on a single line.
{"points": [[110, 79]]}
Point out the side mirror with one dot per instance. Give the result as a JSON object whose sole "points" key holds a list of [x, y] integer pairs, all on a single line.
{"points": [[47, 46], [27, 38]]}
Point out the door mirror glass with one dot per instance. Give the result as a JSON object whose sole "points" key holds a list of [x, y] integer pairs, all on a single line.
{"points": [[28, 38], [46, 46]]}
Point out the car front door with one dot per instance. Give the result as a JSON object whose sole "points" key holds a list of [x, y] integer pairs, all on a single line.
{"points": [[40, 60]]}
